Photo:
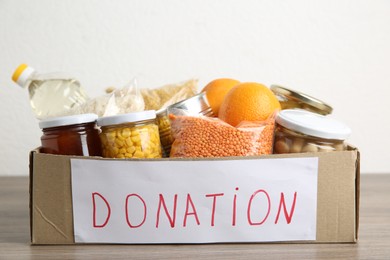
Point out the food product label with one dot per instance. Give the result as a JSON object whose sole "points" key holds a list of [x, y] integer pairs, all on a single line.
{"points": [[194, 201]]}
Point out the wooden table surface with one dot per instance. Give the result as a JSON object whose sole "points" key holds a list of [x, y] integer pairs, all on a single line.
{"points": [[374, 234]]}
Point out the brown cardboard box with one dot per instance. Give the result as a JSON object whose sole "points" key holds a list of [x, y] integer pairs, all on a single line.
{"points": [[51, 213]]}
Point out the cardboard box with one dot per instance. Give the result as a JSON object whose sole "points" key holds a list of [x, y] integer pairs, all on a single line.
{"points": [[337, 212]]}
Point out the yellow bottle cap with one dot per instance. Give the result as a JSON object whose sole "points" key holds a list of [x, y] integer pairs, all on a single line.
{"points": [[19, 70], [22, 74]]}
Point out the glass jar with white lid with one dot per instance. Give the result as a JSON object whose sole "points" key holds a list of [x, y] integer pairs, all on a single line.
{"points": [[132, 135], [299, 131], [71, 135]]}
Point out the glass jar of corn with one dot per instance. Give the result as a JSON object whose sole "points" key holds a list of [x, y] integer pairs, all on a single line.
{"points": [[133, 135]]}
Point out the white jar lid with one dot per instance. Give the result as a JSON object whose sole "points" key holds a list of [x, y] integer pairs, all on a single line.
{"points": [[67, 120], [127, 118], [313, 124]]}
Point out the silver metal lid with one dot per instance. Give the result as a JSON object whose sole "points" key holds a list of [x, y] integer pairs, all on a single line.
{"points": [[197, 104], [300, 97]]}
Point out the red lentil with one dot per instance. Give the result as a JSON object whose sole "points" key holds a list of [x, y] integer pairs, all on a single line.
{"points": [[211, 137]]}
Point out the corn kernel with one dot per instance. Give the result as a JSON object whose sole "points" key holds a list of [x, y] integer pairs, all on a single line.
{"points": [[128, 142], [132, 142], [115, 150], [147, 151], [138, 154], [119, 143], [130, 150], [136, 139], [120, 137], [126, 132], [134, 132]]}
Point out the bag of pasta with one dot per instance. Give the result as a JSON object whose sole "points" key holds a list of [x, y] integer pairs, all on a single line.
{"points": [[162, 97]]}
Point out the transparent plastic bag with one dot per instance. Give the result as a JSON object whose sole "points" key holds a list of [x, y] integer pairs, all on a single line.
{"points": [[120, 101], [162, 97], [200, 136]]}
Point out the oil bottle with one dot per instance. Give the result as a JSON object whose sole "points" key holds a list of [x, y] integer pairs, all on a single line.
{"points": [[50, 95]]}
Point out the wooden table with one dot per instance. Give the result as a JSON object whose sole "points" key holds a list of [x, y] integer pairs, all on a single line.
{"points": [[374, 234]]}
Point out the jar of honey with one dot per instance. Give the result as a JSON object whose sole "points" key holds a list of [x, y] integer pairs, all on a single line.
{"points": [[71, 135], [132, 135]]}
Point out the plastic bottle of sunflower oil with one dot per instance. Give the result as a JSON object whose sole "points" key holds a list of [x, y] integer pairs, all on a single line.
{"points": [[50, 95]]}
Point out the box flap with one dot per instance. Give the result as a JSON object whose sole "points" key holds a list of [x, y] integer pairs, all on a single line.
{"points": [[357, 196], [51, 197], [337, 211]]}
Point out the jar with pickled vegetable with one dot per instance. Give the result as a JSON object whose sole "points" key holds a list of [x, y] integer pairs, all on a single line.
{"points": [[71, 135], [299, 131], [133, 135]]}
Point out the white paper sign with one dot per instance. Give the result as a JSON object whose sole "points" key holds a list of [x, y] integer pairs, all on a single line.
{"points": [[250, 200]]}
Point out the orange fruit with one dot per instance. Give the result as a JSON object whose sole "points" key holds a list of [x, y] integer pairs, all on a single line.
{"points": [[248, 102], [216, 91]]}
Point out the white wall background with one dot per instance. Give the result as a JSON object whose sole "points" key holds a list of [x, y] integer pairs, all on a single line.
{"points": [[336, 50]]}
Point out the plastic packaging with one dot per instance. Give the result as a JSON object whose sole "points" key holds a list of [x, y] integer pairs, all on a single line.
{"points": [[133, 135], [200, 136], [71, 135], [290, 99], [50, 95], [299, 131], [162, 97], [133, 99], [119, 101], [195, 105]]}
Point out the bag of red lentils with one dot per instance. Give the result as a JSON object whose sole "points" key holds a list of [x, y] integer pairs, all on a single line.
{"points": [[201, 136]]}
